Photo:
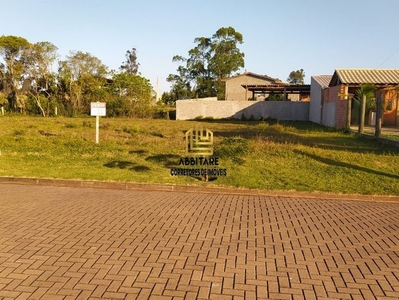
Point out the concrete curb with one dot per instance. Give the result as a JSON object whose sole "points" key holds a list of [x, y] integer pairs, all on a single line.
{"points": [[192, 189]]}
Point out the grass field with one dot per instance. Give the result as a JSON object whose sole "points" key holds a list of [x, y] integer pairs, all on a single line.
{"points": [[256, 154]]}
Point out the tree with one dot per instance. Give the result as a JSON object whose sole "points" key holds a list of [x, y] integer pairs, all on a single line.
{"points": [[2, 76], [130, 66], [364, 95], [211, 60], [132, 95], [180, 88], [11, 49], [81, 78], [225, 57], [181, 82], [3, 100], [39, 59], [167, 98], [296, 77], [197, 68]]}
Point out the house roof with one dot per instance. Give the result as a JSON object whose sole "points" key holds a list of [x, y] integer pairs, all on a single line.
{"points": [[251, 74], [360, 76], [323, 80]]}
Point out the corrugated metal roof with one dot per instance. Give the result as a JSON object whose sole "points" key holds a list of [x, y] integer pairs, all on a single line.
{"points": [[375, 76], [323, 80]]}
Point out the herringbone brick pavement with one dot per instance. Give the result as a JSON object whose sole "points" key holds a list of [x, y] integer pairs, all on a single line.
{"points": [[82, 243]]}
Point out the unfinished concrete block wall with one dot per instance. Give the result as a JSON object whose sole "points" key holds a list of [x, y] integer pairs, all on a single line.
{"points": [[282, 110]]}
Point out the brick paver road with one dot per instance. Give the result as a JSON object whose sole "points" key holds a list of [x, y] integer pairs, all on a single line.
{"points": [[82, 243]]}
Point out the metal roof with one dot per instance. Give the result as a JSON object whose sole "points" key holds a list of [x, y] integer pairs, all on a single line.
{"points": [[323, 80], [360, 76]]}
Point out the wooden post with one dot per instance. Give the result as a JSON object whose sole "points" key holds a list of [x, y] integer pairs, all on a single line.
{"points": [[348, 112], [344, 95], [97, 128], [362, 114], [378, 117]]}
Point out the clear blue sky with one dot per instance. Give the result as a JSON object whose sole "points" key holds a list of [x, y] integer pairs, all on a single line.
{"points": [[279, 36]]}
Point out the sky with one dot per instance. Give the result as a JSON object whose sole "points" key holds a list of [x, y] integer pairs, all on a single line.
{"points": [[279, 36]]}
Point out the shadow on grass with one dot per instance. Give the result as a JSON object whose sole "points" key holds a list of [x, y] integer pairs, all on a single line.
{"points": [[115, 164], [297, 132], [140, 168], [345, 165], [299, 125], [341, 142], [167, 160], [140, 152], [204, 179]]}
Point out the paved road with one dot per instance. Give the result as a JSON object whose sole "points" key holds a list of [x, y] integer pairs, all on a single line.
{"points": [[83, 243]]}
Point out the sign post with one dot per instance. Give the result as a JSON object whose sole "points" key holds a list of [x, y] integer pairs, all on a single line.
{"points": [[97, 109], [97, 128]]}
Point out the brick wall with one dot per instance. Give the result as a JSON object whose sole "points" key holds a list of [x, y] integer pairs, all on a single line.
{"points": [[340, 105]]}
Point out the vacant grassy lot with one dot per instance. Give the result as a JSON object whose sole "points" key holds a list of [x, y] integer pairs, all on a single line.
{"points": [[261, 155]]}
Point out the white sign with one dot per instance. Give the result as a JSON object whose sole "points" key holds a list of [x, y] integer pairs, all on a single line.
{"points": [[98, 109]]}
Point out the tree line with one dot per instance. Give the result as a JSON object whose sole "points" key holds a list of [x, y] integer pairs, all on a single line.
{"points": [[34, 81]]}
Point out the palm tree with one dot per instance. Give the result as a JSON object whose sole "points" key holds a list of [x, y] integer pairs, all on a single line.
{"points": [[364, 95]]}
